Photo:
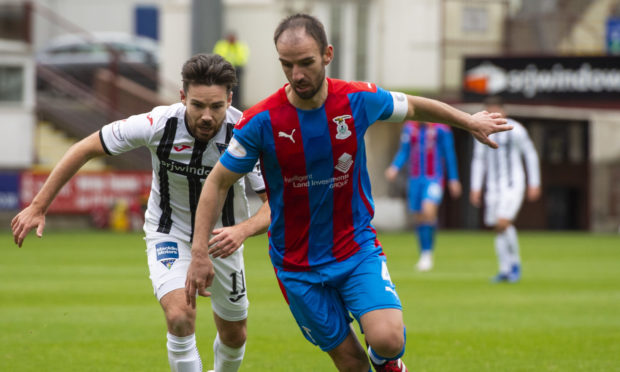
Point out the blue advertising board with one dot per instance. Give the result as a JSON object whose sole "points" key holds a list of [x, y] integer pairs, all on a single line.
{"points": [[9, 191], [612, 36]]}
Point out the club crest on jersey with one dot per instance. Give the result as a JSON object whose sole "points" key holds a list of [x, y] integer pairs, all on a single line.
{"points": [[167, 253], [342, 130], [221, 147]]}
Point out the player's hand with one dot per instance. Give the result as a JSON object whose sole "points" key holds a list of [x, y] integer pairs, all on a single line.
{"points": [[533, 193], [475, 197], [225, 241], [502, 224], [454, 187], [199, 277], [486, 123], [25, 221], [391, 173]]}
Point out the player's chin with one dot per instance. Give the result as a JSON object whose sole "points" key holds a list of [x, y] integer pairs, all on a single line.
{"points": [[205, 135], [304, 93]]}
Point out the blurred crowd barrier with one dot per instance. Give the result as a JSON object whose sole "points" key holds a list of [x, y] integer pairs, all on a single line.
{"points": [[110, 199]]}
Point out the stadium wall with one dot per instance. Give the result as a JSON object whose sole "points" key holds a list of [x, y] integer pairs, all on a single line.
{"points": [[17, 116]]}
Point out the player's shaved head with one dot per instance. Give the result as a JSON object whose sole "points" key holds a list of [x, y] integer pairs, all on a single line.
{"points": [[312, 26]]}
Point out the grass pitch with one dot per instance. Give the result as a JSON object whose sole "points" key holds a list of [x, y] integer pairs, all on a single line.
{"points": [[82, 301]]}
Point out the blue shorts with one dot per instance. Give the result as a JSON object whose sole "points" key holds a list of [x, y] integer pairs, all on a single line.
{"points": [[322, 299], [421, 190]]}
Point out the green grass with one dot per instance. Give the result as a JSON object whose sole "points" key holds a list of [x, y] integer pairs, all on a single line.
{"points": [[82, 301]]}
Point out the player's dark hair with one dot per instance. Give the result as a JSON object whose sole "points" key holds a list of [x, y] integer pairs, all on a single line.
{"points": [[208, 69], [314, 28]]}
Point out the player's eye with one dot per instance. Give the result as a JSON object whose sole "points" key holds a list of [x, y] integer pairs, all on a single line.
{"points": [[198, 105]]}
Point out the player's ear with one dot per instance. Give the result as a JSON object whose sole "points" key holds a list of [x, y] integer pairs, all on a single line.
{"points": [[328, 55], [229, 99], [182, 94]]}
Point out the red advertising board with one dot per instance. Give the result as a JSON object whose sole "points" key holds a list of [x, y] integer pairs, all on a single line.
{"points": [[88, 191]]}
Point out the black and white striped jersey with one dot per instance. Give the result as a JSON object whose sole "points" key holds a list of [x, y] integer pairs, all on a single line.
{"points": [[180, 165], [503, 167]]}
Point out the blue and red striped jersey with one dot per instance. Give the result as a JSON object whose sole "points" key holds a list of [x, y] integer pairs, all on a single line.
{"points": [[429, 147], [314, 165]]}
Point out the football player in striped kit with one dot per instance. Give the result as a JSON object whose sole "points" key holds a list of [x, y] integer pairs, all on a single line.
{"points": [[185, 140], [309, 136], [429, 148], [504, 188]]}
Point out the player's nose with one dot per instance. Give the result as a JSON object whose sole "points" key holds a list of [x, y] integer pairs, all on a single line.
{"points": [[297, 73], [206, 116]]}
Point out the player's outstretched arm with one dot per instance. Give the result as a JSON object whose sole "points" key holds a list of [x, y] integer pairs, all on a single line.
{"points": [[34, 215], [480, 125], [226, 240], [200, 272]]}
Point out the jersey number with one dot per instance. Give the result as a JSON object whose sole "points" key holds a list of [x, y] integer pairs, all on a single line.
{"points": [[237, 293]]}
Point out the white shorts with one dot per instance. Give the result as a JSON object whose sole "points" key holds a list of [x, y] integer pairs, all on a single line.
{"points": [[504, 205], [169, 259]]}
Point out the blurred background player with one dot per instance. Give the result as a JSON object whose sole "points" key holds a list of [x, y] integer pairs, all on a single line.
{"points": [[185, 139], [429, 148], [237, 53], [504, 188]]}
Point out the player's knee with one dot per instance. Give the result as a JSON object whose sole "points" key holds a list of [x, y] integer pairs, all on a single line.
{"points": [[389, 342], [233, 337], [426, 216], [180, 321]]}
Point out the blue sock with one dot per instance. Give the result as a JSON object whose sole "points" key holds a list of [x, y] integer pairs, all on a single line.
{"points": [[426, 236]]}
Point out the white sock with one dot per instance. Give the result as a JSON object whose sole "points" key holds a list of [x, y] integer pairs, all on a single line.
{"points": [[226, 358], [183, 354], [374, 357], [503, 253], [513, 245]]}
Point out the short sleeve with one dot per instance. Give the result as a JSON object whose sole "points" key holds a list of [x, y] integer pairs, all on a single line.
{"points": [[382, 105], [255, 178], [401, 106], [127, 134], [244, 148]]}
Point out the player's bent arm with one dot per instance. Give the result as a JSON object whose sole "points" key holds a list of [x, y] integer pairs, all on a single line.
{"points": [[210, 205], [480, 125], [260, 221], [227, 240], [532, 163], [34, 215]]}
